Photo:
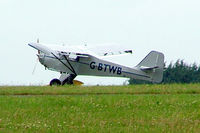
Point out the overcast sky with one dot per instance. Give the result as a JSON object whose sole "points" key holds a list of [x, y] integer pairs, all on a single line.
{"points": [[168, 26]]}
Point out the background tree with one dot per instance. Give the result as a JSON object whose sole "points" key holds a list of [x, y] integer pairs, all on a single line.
{"points": [[179, 72]]}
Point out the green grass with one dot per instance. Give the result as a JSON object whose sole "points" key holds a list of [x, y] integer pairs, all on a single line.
{"points": [[138, 108]]}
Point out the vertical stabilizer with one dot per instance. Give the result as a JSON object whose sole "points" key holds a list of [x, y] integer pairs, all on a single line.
{"points": [[153, 65]]}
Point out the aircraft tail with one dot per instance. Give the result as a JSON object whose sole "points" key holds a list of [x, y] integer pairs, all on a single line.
{"points": [[153, 65]]}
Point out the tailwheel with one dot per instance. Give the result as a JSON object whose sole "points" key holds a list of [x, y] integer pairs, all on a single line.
{"points": [[55, 82]]}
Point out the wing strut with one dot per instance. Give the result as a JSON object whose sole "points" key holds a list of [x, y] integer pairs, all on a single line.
{"points": [[71, 69], [70, 65]]}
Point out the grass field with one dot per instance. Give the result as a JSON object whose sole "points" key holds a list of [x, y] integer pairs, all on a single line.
{"points": [[137, 108]]}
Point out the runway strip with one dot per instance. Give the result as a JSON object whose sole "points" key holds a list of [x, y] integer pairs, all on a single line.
{"points": [[85, 94]]}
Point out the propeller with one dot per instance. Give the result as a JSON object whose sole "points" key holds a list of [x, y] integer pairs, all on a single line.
{"points": [[35, 66], [37, 60]]}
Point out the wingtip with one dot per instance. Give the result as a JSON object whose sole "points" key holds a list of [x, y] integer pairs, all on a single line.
{"points": [[31, 45]]}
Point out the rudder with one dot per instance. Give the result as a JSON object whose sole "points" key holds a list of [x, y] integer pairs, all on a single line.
{"points": [[153, 65]]}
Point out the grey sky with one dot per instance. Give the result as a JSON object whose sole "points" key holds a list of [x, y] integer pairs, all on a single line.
{"points": [[172, 27]]}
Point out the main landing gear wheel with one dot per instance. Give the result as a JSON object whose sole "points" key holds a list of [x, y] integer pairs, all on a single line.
{"points": [[55, 82], [67, 80]]}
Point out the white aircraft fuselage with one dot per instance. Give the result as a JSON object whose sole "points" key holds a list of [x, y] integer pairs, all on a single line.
{"points": [[80, 61]]}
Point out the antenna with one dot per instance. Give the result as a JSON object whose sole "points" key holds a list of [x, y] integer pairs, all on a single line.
{"points": [[38, 41]]}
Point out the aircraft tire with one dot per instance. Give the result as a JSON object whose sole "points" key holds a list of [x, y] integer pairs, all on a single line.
{"points": [[55, 82]]}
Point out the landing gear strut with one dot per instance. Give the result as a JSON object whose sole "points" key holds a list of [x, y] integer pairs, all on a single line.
{"points": [[64, 79], [69, 80]]}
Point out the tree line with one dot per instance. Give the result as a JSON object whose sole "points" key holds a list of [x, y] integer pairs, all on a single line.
{"points": [[178, 72]]}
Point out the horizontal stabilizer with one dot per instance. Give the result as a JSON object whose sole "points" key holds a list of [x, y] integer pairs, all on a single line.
{"points": [[144, 68]]}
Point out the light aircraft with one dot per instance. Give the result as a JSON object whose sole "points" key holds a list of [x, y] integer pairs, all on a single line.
{"points": [[71, 61]]}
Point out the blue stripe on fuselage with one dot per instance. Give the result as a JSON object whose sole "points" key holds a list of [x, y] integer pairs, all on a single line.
{"points": [[136, 74]]}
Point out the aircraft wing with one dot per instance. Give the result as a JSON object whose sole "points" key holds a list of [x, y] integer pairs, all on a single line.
{"points": [[40, 47], [110, 49], [94, 50], [72, 55]]}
